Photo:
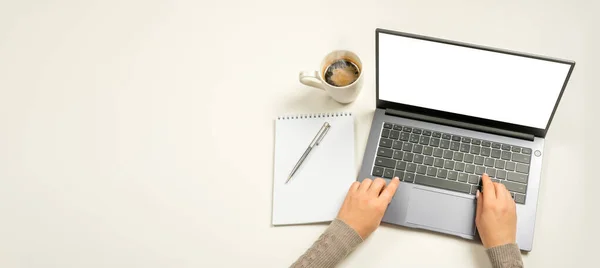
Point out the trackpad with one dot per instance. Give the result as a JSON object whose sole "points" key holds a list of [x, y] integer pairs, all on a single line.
{"points": [[441, 212]]}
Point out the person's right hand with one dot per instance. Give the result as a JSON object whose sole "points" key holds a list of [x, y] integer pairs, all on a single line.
{"points": [[496, 214]]}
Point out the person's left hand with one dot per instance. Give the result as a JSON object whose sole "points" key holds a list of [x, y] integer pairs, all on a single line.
{"points": [[366, 203]]}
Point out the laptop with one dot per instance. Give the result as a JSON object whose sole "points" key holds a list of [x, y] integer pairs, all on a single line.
{"points": [[447, 112]]}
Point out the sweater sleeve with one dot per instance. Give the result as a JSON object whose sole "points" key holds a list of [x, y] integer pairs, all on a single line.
{"points": [[332, 246], [505, 256]]}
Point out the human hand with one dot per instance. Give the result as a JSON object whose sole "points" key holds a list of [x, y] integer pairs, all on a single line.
{"points": [[366, 203], [496, 214]]}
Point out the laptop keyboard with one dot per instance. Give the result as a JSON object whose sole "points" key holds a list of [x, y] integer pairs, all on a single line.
{"points": [[450, 162]]}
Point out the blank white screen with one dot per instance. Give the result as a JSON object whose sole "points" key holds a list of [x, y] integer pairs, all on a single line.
{"points": [[474, 82]]}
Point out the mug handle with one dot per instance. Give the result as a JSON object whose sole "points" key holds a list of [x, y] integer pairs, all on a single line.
{"points": [[311, 79]]}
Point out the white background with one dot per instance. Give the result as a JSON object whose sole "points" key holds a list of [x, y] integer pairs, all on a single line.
{"points": [[141, 133], [460, 80]]}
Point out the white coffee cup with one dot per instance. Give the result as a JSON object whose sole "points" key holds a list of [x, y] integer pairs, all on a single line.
{"points": [[342, 94]]}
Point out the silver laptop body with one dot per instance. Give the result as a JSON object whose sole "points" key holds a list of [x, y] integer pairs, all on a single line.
{"points": [[448, 111]]}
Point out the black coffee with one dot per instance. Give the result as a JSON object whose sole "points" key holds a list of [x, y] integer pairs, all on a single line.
{"points": [[341, 73]]}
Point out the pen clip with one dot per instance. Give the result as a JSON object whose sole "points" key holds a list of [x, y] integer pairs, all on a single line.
{"points": [[327, 127]]}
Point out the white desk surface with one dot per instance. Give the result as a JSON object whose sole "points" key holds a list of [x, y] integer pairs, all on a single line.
{"points": [[140, 133]]}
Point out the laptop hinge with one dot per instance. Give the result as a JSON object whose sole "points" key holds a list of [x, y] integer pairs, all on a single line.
{"points": [[453, 123]]}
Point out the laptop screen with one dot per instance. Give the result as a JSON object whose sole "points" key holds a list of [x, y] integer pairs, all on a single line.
{"points": [[468, 81]]}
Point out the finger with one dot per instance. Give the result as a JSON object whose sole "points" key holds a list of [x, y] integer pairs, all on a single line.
{"points": [[501, 191], [376, 187], [364, 185], [354, 187], [488, 187], [389, 191]]}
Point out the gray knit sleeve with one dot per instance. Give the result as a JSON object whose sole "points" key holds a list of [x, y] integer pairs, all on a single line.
{"points": [[505, 256], [332, 246]]}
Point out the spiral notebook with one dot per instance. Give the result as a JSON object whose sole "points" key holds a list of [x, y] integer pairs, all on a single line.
{"points": [[316, 191]]}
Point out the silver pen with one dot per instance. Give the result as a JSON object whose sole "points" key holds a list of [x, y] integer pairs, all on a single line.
{"points": [[315, 142]]}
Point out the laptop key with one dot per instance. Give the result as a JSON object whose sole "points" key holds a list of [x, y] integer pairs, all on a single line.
{"points": [[431, 171], [409, 177], [470, 168], [443, 184], [438, 162], [476, 142], [428, 160], [465, 147], [407, 129], [407, 147], [486, 143], [417, 131], [449, 164], [479, 160], [466, 140], [521, 158], [452, 175], [424, 140], [411, 167], [458, 156], [496, 145], [394, 134], [404, 136], [418, 148], [377, 171], [399, 174], [496, 180], [475, 149], [419, 158], [456, 138], [387, 125], [485, 151], [436, 135], [435, 142], [516, 149], [506, 155], [437, 152], [448, 154], [454, 146], [491, 172], [422, 169], [385, 162], [479, 170], [427, 132], [385, 143], [510, 166], [469, 158], [501, 174], [397, 145], [446, 136], [408, 157], [489, 162], [414, 138], [515, 187], [463, 177], [500, 164], [385, 133], [517, 177], [381, 151], [459, 166], [398, 155], [474, 189], [427, 150], [397, 127], [401, 165], [442, 173], [444, 144], [473, 179], [522, 168], [496, 153], [506, 147], [526, 151], [388, 173], [519, 199]]}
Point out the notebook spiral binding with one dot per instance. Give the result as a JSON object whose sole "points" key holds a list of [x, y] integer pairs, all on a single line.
{"points": [[316, 115]]}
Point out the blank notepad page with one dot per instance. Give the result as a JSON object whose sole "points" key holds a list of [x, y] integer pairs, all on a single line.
{"points": [[316, 191]]}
